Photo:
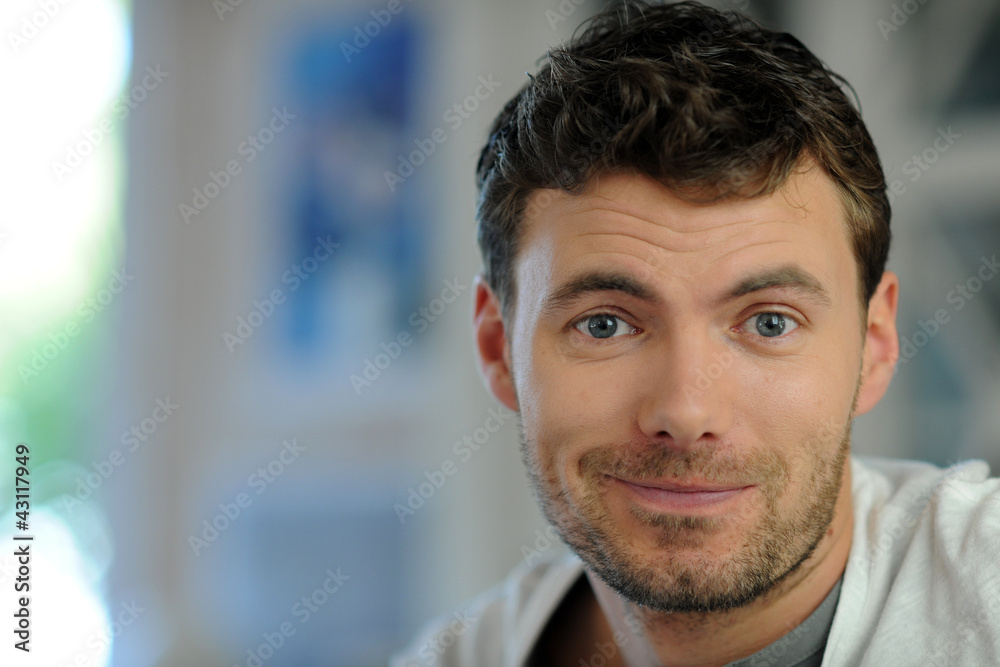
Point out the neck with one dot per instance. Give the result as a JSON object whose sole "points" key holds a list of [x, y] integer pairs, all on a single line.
{"points": [[649, 638]]}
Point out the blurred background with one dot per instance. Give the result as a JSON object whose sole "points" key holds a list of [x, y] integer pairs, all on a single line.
{"points": [[236, 251]]}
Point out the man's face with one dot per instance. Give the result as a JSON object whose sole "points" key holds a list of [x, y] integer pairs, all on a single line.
{"points": [[686, 375]]}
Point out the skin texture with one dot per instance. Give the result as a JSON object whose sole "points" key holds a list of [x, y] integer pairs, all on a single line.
{"points": [[690, 392]]}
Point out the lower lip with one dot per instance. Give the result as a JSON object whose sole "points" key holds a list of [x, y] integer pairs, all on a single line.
{"points": [[676, 502]]}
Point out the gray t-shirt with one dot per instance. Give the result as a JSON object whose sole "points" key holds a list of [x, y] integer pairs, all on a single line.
{"points": [[804, 645]]}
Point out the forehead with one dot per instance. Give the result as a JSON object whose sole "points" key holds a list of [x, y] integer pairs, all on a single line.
{"points": [[636, 225]]}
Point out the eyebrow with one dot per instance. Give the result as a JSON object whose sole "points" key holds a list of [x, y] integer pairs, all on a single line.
{"points": [[596, 281], [788, 277]]}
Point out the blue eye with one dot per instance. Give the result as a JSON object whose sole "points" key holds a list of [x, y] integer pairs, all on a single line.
{"points": [[603, 325], [771, 325]]}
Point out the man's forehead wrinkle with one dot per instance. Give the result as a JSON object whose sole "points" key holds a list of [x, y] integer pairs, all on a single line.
{"points": [[756, 225], [656, 244], [753, 244], [674, 224]]}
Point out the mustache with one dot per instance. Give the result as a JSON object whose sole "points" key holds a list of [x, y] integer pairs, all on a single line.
{"points": [[651, 461]]}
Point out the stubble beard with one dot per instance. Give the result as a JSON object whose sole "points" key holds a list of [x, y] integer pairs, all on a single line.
{"points": [[775, 547]]}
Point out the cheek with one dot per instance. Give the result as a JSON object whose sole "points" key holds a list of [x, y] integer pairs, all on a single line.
{"points": [[788, 392], [573, 407], [798, 410]]}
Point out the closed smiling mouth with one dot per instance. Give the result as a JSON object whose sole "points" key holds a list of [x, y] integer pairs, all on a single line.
{"points": [[685, 487], [681, 497]]}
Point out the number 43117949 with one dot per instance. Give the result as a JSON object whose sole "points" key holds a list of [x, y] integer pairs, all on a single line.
{"points": [[22, 479]]}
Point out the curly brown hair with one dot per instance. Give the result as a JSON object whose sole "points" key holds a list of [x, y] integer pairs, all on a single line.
{"points": [[709, 103]]}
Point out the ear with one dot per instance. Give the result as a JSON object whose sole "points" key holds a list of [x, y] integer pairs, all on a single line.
{"points": [[881, 343], [491, 345]]}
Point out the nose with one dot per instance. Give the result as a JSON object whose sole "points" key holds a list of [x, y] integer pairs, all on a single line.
{"points": [[689, 392]]}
